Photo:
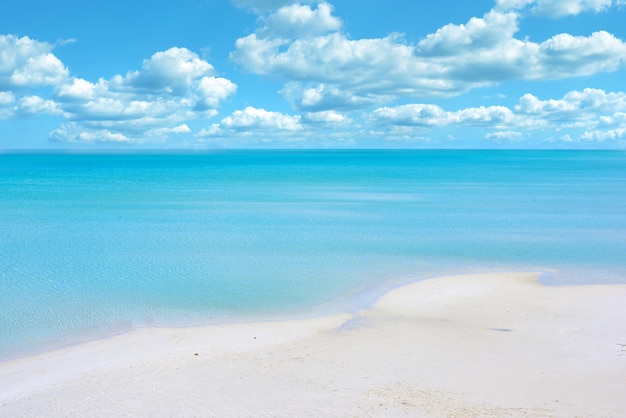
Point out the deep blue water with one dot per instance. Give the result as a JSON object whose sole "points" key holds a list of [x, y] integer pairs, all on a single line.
{"points": [[95, 242]]}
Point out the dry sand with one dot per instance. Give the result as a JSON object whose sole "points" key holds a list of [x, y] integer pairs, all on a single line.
{"points": [[456, 346]]}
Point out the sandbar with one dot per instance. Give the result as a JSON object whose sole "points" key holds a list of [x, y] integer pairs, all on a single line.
{"points": [[496, 344]]}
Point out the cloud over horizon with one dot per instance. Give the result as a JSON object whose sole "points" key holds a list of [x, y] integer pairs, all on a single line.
{"points": [[335, 85], [329, 71], [172, 86]]}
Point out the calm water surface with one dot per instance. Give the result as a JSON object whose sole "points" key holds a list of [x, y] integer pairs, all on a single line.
{"points": [[90, 243]]}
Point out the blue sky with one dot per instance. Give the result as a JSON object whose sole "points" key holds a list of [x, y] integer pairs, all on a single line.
{"points": [[337, 74]]}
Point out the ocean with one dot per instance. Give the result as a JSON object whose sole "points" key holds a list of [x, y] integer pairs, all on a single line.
{"points": [[94, 243]]}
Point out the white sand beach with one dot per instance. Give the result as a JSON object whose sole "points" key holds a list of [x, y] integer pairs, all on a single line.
{"points": [[497, 344]]}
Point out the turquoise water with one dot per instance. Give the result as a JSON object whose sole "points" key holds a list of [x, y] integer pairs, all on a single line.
{"points": [[93, 243]]}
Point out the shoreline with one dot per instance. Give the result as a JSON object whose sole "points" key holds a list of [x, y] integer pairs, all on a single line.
{"points": [[495, 343], [352, 302]]}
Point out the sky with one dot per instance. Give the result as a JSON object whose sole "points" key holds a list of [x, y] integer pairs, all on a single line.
{"points": [[212, 74]]}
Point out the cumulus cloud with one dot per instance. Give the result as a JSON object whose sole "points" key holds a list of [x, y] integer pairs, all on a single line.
{"points": [[330, 71], [25, 62], [579, 116], [600, 114], [73, 132], [490, 116], [259, 126], [78, 89], [32, 105], [180, 129], [604, 135], [327, 116], [253, 120], [478, 34], [473, 54], [413, 115], [173, 71], [617, 119], [328, 76], [585, 104], [300, 20], [252, 117], [565, 55], [211, 91], [27, 106], [427, 115], [173, 86]]}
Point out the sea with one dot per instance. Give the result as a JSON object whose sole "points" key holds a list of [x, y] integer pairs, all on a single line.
{"points": [[93, 244]]}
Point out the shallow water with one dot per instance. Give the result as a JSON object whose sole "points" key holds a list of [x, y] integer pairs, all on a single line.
{"points": [[91, 242]]}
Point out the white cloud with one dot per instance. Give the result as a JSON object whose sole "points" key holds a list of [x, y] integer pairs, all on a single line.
{"points": [[328, 116], [72, 132], [491, 116], [602, 136], [79, 89], [25, 62], [601, 115], [472, 55], [252, 118], [180, 129], [331, 71], [27, 106], [32, 105], [585, 104], [478, 34], [558, 8], [327, 75], [429, 116], [173, 86], [255, 125], [609, 128], [121, 108], [617, 119], [301, 20], [213, 90], [329, 57], [41, 70], [565, 55], [6, 98], [173, 71], [413, 115], [212, 131], [342, 72]]}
